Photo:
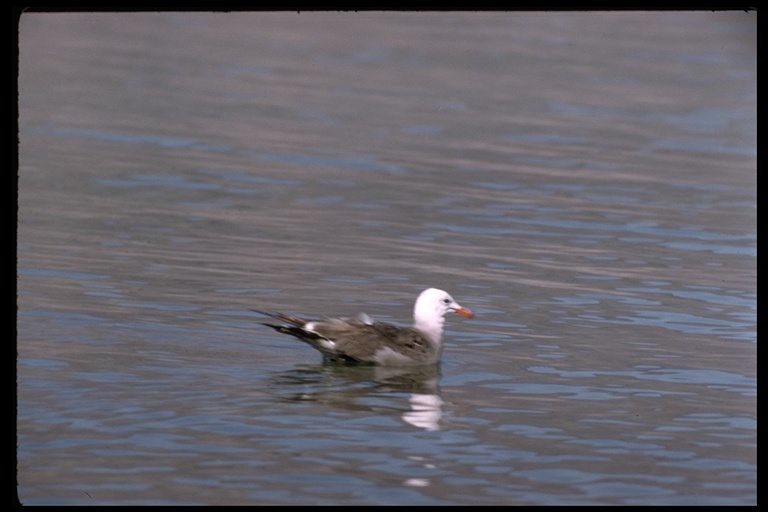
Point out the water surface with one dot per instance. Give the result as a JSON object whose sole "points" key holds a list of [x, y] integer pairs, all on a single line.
{"points": [[584, 182]]}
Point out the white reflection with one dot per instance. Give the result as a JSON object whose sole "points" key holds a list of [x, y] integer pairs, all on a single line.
{"points": [[417, 482], [426, 411]]}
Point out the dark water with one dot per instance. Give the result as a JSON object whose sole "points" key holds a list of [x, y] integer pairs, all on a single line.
{"points": [[586, 183]]}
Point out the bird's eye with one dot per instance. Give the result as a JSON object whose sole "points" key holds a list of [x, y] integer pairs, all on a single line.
{"points": [[446, 301]]}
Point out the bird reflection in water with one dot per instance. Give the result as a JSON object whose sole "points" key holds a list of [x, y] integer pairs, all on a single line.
{"points": [[368, 388]]}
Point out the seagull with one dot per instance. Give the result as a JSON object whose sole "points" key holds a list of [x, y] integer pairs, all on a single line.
{"points": [[362, 340]]}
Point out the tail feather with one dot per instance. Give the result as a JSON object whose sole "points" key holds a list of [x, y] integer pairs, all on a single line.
{"points": [[296, 327], [298, 322], [294, 331]]}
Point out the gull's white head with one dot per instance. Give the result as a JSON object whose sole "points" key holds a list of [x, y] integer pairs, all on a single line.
{"points": [[436, 303], [431, 307]]}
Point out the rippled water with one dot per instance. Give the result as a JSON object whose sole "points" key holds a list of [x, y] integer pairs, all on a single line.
{"points": [[586, 183]]}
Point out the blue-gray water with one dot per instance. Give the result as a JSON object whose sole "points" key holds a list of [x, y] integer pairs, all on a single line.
{"points": [[585, 182]]}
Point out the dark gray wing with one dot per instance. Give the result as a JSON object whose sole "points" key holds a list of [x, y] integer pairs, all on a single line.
{"points": [[358, 339], [364, 341]]}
